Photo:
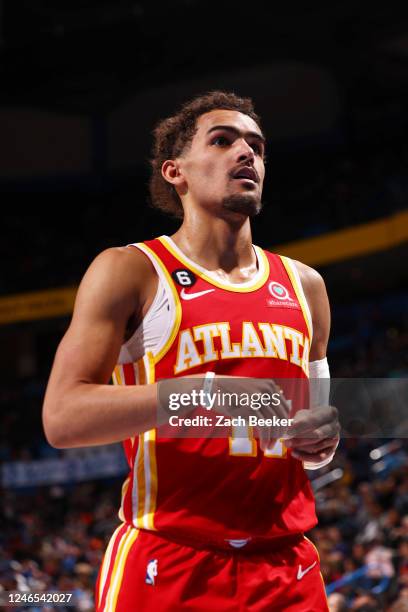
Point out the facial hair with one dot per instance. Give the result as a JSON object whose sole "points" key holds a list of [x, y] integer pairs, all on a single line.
{"points": [[242, 203]]}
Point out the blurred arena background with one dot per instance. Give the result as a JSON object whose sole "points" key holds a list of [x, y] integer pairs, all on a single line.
{"points": [[82, 84]]}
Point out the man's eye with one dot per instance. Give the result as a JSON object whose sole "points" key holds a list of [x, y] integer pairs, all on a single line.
{"points": [[221, 141], [257, 148]]}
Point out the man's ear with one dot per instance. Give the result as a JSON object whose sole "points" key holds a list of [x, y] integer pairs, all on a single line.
{"points": [[171, 172]]}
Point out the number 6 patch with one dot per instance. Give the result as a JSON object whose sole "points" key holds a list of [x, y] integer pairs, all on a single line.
{"points": [[184, 277]]}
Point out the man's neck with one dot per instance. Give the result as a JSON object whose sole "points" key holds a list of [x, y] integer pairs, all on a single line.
{"points": [[219, 246]]}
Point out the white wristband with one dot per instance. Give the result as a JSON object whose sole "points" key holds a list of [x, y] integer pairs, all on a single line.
{"points": [[308, 465], [207, 387], [319, 377]]}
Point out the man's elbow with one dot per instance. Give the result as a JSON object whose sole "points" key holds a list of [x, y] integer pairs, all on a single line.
{"points": [[56, 429], [54, 435]]}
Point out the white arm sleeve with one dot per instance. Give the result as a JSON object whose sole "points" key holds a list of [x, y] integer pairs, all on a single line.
{"points": [[319, 376]]}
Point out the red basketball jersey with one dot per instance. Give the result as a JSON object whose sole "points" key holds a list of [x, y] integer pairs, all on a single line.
{"points": [[221, 489]]}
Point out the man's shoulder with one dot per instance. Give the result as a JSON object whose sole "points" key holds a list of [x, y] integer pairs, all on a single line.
{"points": [[310, 278], [119, 271], [123, 259], [314, 289]]}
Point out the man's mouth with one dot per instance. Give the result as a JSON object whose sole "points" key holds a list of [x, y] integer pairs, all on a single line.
{"points": [[246, 173]]}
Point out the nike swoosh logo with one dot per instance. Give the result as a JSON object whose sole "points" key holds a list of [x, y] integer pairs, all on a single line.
{"points": [[301, 572], [193, 296]]}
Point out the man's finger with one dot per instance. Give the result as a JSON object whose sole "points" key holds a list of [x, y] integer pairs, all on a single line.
{"points": [[312, 457], [280, 409], [330, 430], [313, 446], [307, 421]]}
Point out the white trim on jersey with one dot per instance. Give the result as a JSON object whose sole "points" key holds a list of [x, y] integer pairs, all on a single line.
{"points": [[155, 329]]}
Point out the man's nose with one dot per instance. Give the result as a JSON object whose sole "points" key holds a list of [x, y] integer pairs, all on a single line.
{"points": [[245, 151]]}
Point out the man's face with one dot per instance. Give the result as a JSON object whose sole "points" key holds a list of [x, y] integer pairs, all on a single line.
{"points": [[224, 168]]}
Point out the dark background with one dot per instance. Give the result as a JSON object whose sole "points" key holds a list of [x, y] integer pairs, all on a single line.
{"points": [[81, 87]]}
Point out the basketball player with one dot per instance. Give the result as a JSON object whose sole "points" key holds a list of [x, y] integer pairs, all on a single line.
{"points": [[206, 524]]}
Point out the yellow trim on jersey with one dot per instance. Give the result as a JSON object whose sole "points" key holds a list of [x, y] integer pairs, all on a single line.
{"points": [[108, 607], [151, 439], [178, 312], [146, 481], [314, 546], [150, 370], [144, 485], [141, 371], [135, 492], [127, 542], [116, 375], [299, 294], [229, 287], [106, 563], [125, 488], [151, 442], [141, 484]]}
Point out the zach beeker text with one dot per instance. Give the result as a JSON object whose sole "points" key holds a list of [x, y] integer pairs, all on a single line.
{"points": [[223, 421]]}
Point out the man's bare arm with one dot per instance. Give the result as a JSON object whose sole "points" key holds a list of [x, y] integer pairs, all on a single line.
{"points": [[316, 296], [80, 407], [321, 426]]}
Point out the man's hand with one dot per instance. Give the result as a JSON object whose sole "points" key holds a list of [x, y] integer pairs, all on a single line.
{"points": [[256, 388], [314, 434], [229, 397]]}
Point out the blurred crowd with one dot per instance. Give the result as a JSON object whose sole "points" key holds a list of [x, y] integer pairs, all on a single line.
{"points": [[370, 338], [363, 521], [53, 538], [328, 192]]}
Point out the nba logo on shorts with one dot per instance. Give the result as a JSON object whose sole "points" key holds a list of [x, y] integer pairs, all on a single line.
{"points": [[151, 572]]}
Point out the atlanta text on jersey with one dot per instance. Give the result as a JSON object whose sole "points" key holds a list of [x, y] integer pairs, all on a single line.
{"points": [[268, 341]]}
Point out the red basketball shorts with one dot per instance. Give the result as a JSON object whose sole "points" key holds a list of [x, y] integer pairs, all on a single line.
{"points": [[142, 572]]}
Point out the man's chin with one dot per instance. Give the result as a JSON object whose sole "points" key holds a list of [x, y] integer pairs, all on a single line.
{"points": [[243, 203]]}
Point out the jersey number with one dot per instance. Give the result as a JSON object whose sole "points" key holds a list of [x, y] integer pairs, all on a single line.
{"points": [[243, 444], [183, 278]]}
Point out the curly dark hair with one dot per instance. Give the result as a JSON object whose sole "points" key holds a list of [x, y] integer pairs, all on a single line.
{"points": [[171, 136]]}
